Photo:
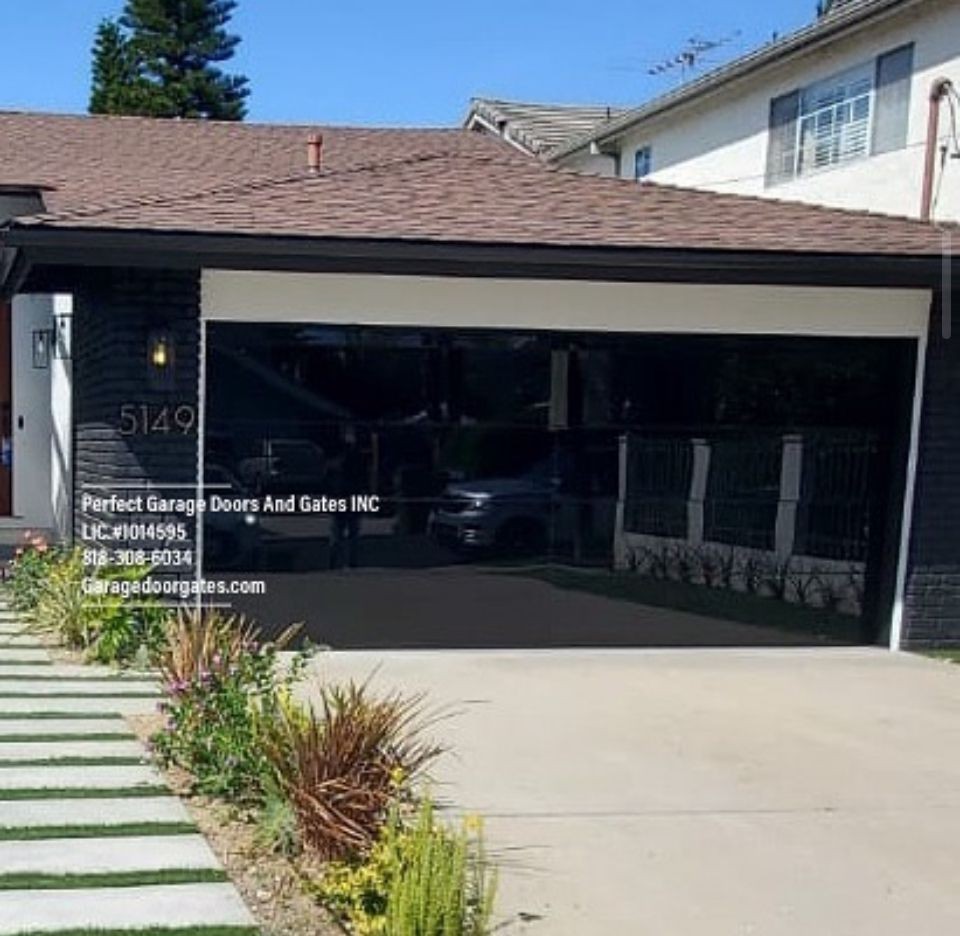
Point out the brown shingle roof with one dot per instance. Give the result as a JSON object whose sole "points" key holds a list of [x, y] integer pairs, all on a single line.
{"points": [[439, 185]]}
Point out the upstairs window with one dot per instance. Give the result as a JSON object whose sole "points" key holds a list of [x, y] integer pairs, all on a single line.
{"points": [[642, 162], [834, 120], [858, 112]]}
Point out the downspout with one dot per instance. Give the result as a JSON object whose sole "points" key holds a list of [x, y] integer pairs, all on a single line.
{"points": [[938, 90]]}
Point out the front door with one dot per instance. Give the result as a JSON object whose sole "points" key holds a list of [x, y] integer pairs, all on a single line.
{"points": [[6, 416], [32, 424]]}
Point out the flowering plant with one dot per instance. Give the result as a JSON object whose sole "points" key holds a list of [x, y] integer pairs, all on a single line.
{"points": [[218, 680], [29, 570]]}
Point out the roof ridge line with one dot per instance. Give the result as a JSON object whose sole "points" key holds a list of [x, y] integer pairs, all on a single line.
{"points": [[248, 185]]}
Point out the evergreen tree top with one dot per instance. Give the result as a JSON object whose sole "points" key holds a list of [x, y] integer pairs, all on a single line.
{"points": [[160, 59]]}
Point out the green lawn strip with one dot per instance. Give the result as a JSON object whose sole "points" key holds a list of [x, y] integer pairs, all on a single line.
{"points": [[40, 737], [30, 881], [951, 656], [153, 931], [74, 761], [15, 645], [65, 793], [125, 830], [4, 662], [59, 716]]}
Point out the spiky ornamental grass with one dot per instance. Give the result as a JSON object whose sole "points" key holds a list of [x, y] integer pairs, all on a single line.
{"points": [[343, 764]]}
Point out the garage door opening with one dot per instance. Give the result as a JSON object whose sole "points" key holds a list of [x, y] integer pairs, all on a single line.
{"points": [[527, 489]]}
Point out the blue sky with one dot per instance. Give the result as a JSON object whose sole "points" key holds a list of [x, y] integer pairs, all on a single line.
{"points": [[381, 63]]}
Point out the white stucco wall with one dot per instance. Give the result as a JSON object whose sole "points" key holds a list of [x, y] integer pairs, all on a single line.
{"points": [[720, 142]]}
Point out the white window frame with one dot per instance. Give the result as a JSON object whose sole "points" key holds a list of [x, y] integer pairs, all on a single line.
{"points": [[848, 89]]}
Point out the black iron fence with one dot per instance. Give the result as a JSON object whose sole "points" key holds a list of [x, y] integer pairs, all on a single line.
{"points": [[798, 492]]}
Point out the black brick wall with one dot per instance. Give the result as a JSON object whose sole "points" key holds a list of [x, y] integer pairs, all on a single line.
{"points": [[115, 310], [932, 600]]}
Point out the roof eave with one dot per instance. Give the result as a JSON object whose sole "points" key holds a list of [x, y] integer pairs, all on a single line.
{"points": [[77, 247]]}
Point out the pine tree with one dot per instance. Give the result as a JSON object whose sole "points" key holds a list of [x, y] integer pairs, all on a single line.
{"points": [[173, 48], [114, 71]]}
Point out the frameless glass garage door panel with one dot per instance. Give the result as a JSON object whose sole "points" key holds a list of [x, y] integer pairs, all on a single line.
{"points": [[425, 487]]}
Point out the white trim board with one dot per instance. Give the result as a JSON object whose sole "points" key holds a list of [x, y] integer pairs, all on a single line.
{"points": [[677, 308], [364, 299], [909, 492]]}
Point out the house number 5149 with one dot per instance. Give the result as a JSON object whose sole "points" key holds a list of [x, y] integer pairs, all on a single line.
{"points": [[146, 419]]}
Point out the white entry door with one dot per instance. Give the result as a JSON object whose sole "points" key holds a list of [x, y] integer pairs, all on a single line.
{"points": [[32, 360]]}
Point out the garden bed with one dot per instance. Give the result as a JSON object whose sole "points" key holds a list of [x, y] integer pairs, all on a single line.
{"points": [[272, 886], [305, 805]]}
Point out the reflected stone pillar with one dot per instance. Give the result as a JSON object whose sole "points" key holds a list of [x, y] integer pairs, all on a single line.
{"points": [[698, 490], [621, 555], [791, 470]]}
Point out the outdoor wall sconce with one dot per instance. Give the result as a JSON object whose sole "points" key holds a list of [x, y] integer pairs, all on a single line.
{"points": [[41, 349], [161, 359], [61, 337], [51, 343]]}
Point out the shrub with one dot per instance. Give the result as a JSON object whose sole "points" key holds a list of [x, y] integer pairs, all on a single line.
{"points": [[28, 572], [277, 827], [419, 879], [107, 627], [221, 687], [342, 765]]}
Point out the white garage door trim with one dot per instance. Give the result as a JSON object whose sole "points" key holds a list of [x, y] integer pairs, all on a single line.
{"points": [[674, 308]]}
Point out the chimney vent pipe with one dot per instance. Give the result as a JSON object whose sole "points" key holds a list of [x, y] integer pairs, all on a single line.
{"points": [[315, 153]]}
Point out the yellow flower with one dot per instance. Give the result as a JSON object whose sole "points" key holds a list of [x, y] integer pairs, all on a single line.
{"points": [[473, 824]]}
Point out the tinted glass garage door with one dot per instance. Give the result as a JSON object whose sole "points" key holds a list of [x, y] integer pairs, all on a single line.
{"points": [[489, 488]]}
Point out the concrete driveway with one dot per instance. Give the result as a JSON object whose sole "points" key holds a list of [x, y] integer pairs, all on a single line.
{"points": [[703, 793]]}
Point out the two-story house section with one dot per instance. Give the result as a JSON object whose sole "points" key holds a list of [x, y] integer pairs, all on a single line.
{"points": [[860, 109]]}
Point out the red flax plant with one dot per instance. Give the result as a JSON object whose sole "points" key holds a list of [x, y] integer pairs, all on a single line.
{"points": [[345, 763]]}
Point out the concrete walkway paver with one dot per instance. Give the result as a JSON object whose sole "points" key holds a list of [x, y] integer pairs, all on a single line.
{"points": [[66, 671], [17, 639], [49, 685], [54, 750], [18, 814], [76, 705], [15, 654], [107, 855], [76, 727], [107, 777], [40, 701], [133, 908]]}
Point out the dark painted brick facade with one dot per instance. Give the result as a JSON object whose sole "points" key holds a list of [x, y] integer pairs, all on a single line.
{"points": [[115, 311], [932, 601]]}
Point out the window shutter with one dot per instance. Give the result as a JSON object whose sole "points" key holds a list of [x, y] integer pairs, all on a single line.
{"points": [[892, 104], [782, 142]]}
